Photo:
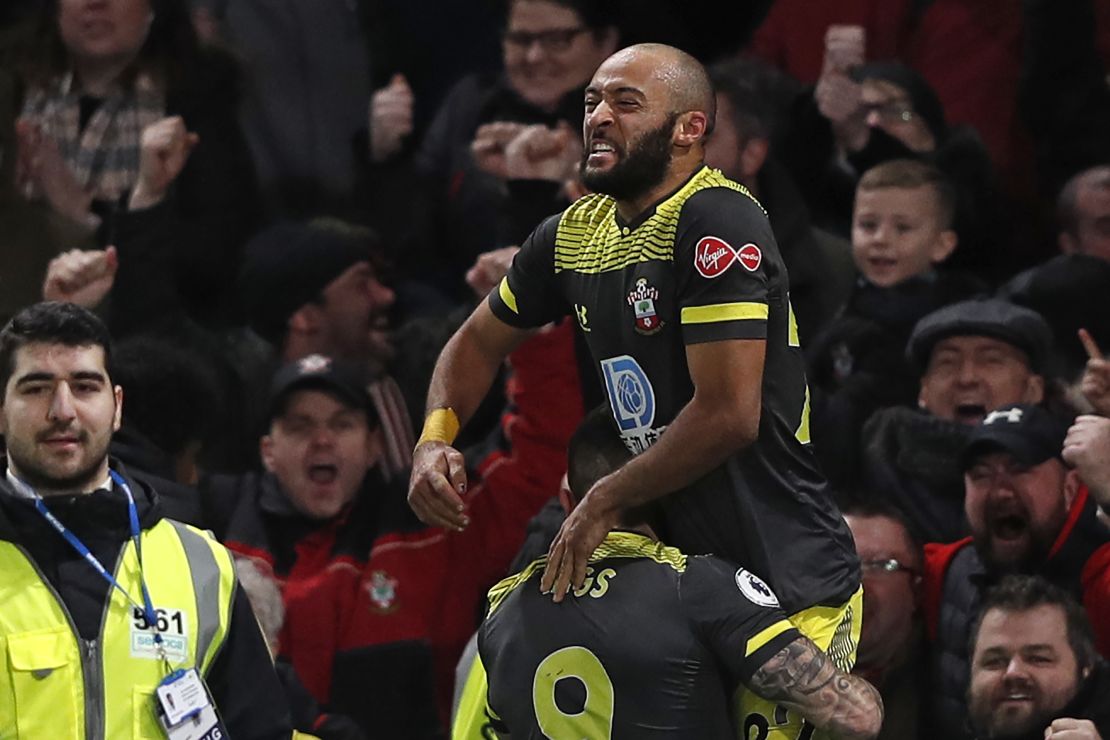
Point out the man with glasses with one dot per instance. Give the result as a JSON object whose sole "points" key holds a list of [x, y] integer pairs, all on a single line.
{"points": [[549, 50], [864, 114], [891, 100], [1028, 513], [892, 640]]}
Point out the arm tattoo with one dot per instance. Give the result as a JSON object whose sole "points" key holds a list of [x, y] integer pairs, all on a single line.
{"points": [[801, 677], [796, 669]]}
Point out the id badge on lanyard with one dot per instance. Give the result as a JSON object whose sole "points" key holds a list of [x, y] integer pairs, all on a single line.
{"points": [[182, 703], [185, 710]]}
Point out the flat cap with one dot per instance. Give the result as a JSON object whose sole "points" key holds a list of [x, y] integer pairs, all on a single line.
{"points": [[984, 317]]}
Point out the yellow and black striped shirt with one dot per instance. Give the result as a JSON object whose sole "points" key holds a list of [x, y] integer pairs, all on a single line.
{"points": [[700, 266]]}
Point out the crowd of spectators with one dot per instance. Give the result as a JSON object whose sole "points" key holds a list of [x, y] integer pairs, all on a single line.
{"points": [[282, 211]]}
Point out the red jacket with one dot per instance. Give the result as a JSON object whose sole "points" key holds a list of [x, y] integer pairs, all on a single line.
{"points": [[1078, 560], [378, 606]]}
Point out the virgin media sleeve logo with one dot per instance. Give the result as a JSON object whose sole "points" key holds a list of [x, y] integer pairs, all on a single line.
{"points": [[713, 255]]}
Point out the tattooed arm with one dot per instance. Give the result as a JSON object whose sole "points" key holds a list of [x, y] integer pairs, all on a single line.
{"points": [[801, 677]]}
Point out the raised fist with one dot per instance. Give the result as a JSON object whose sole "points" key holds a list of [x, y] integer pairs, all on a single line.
{"points": [[164, 150], [390, 118]]}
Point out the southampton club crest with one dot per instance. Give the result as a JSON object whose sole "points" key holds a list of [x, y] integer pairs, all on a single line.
{"points": [[642, 299], [382, 590]]}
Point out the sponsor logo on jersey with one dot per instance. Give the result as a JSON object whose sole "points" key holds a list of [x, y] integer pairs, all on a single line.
{"points": [[755, 590], [642, 299], [750, 257], [713, 256], [632, 400]]}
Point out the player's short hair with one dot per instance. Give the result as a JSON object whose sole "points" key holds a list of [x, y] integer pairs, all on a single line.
{"points": [[910, 174], [51, 322], [1019, 593], [1067, 203], [596, 450]]}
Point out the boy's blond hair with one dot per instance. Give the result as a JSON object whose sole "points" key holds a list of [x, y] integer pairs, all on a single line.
{"points": [[909, 174]]}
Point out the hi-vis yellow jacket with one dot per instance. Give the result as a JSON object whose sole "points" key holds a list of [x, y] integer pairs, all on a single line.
{"points": [[55, 685]]}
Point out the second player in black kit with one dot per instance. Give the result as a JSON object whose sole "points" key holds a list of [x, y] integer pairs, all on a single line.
{"points": [[651, 646]]}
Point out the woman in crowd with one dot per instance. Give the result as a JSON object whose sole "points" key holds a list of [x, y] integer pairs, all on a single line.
{"points": [[127, 136]]}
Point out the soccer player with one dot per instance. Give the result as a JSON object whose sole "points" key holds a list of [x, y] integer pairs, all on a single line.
{"points": [[653, 641], [673, 275]]}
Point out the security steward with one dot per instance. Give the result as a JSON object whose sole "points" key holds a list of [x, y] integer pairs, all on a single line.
{"points": [[114, 622]]}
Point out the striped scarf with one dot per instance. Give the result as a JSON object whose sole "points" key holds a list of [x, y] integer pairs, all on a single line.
{"points": [[104, 158]]}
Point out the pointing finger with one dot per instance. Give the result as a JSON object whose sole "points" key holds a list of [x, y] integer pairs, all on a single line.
{"points": [[1090, 345]]}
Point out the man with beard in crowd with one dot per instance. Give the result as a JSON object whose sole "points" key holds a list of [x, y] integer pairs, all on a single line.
{"points": [[673, 275], [104, 599], [1029, 513], [1035, 672], [316, 288]]}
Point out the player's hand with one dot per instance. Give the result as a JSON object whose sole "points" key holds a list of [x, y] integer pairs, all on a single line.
{"points": [[542, 153], [1072, 729], [164, 149], [81, 277], [489, 268], [437, 484], [1087, 448], [488, 146], [582, 531], [1096, 376], [391, 118]]}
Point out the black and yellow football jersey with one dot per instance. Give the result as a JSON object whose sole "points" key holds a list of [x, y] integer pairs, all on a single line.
{"points": [[651, 646], [700, 266]]}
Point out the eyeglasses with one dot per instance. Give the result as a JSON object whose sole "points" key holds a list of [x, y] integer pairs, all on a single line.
{"points": [[891, 111], [889, 565], [555, 40]]}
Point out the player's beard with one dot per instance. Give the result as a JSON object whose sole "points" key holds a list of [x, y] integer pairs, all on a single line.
{"points": [[641, 169]]}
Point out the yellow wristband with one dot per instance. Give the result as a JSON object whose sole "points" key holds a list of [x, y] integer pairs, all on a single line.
{"points": [[442, 425]]}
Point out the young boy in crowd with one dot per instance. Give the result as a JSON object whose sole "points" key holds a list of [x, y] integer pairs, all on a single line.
{"points": [[901, 233], [901, 222]]}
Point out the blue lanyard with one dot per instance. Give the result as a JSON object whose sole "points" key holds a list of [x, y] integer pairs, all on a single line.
{"points": [[147, 606]]}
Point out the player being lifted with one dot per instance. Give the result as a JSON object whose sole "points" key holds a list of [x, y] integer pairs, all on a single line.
{"points": [[654, 641]]}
